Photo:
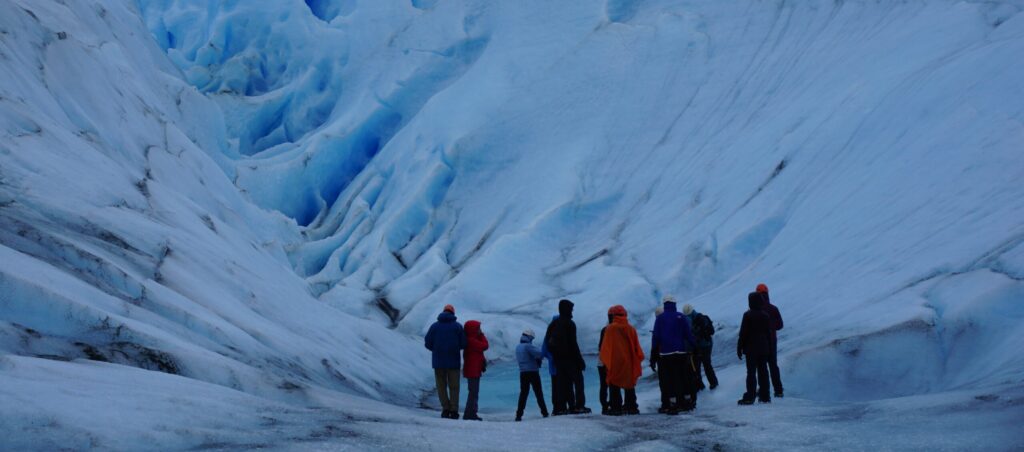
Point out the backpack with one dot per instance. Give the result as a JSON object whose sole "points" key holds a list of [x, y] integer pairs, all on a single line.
{"points": [[702, 327]]}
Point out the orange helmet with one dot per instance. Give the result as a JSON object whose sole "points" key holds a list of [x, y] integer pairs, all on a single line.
{"points": [[449, 308], [762, 288]]}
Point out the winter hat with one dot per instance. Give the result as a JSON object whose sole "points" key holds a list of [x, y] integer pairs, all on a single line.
{"points": [[449, 308], [528, 332], [762, 288], [617, 310], [687, 309], [565, 308], [668, 299]]}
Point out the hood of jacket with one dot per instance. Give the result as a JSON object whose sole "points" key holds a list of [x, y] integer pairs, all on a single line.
{"points": [[524, 339], [472, 328], [565, 309], [446, 317], [755, 301]]}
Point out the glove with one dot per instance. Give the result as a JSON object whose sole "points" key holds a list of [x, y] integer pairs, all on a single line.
{"points": [[739, 355], [484, 369], [654, 366]]}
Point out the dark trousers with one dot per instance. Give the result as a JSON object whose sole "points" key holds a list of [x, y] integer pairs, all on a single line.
{"points": [[664, 385], [447, 381], [704, 361], [526, 381], [757, 375], [773, 366], [571, 385], [680, 375], [562, 396], [602, 375], [616, 403], [473, 397]]}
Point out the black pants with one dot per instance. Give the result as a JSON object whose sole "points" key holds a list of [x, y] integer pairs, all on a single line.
{"points": [[527, 380], [677, 371], [704, 361], [473, 398], [570, 383], [691, 379], [773, 366], [616, 403], [602, 375], [561, 395], [757, 375], [664, 385]]}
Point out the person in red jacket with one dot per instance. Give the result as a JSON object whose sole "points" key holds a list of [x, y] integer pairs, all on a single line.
{"points": [[773, 354], [621, 354], [475, 365]]}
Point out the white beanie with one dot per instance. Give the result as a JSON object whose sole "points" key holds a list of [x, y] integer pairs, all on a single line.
{"points": [[687, 309], [668, 299], [528, 332]]}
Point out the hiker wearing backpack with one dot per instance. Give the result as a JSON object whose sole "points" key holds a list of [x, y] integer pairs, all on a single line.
{"points": [[703, 330], [773, 354]]}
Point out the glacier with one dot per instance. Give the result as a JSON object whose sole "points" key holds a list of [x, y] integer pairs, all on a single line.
{"points": [[228, 224]]}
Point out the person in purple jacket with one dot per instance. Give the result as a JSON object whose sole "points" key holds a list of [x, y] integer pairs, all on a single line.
{"points": [[675, 345], [773, 353]]}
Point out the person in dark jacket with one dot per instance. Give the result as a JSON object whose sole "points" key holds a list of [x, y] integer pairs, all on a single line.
{"points": [[602, 372], [703, 330], [529, 358], [666, 397], [773, 354], [559, 399], [755, 342], [561, 341], [474, 367], [445, 340], [675, 345]]}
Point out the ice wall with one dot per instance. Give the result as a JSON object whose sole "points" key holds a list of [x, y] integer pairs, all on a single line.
{"points": [[122, 239], [858, 157]]}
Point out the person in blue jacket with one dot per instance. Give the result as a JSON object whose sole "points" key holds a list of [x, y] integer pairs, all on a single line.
{"points": [[529, 358], [675, 345], [559, 401], [446, 339]]}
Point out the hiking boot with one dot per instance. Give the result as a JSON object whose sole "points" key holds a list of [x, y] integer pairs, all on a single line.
{"points": [[581, 410], [745, 401], [559, 413], [778, 394], [544, 413], [765, 400], [632, 412], [713, 386], [455, 415], [663, 410], [446, 414], [519, 419], [471, 417], [615, 412]]}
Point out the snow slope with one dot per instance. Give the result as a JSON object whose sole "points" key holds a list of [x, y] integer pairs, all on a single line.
{"points": [[277, 197]]}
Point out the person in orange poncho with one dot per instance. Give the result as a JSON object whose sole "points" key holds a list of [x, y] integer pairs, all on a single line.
{"points": [[622, 355]]}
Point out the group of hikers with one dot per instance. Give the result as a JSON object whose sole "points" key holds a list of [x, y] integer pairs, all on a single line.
{"points": [[681, 345]]}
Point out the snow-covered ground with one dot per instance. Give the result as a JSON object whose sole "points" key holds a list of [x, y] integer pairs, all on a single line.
{"points": [[228, 224]]}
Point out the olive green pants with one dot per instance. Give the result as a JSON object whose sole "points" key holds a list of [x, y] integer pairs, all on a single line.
{"points": [[447, 381]]}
